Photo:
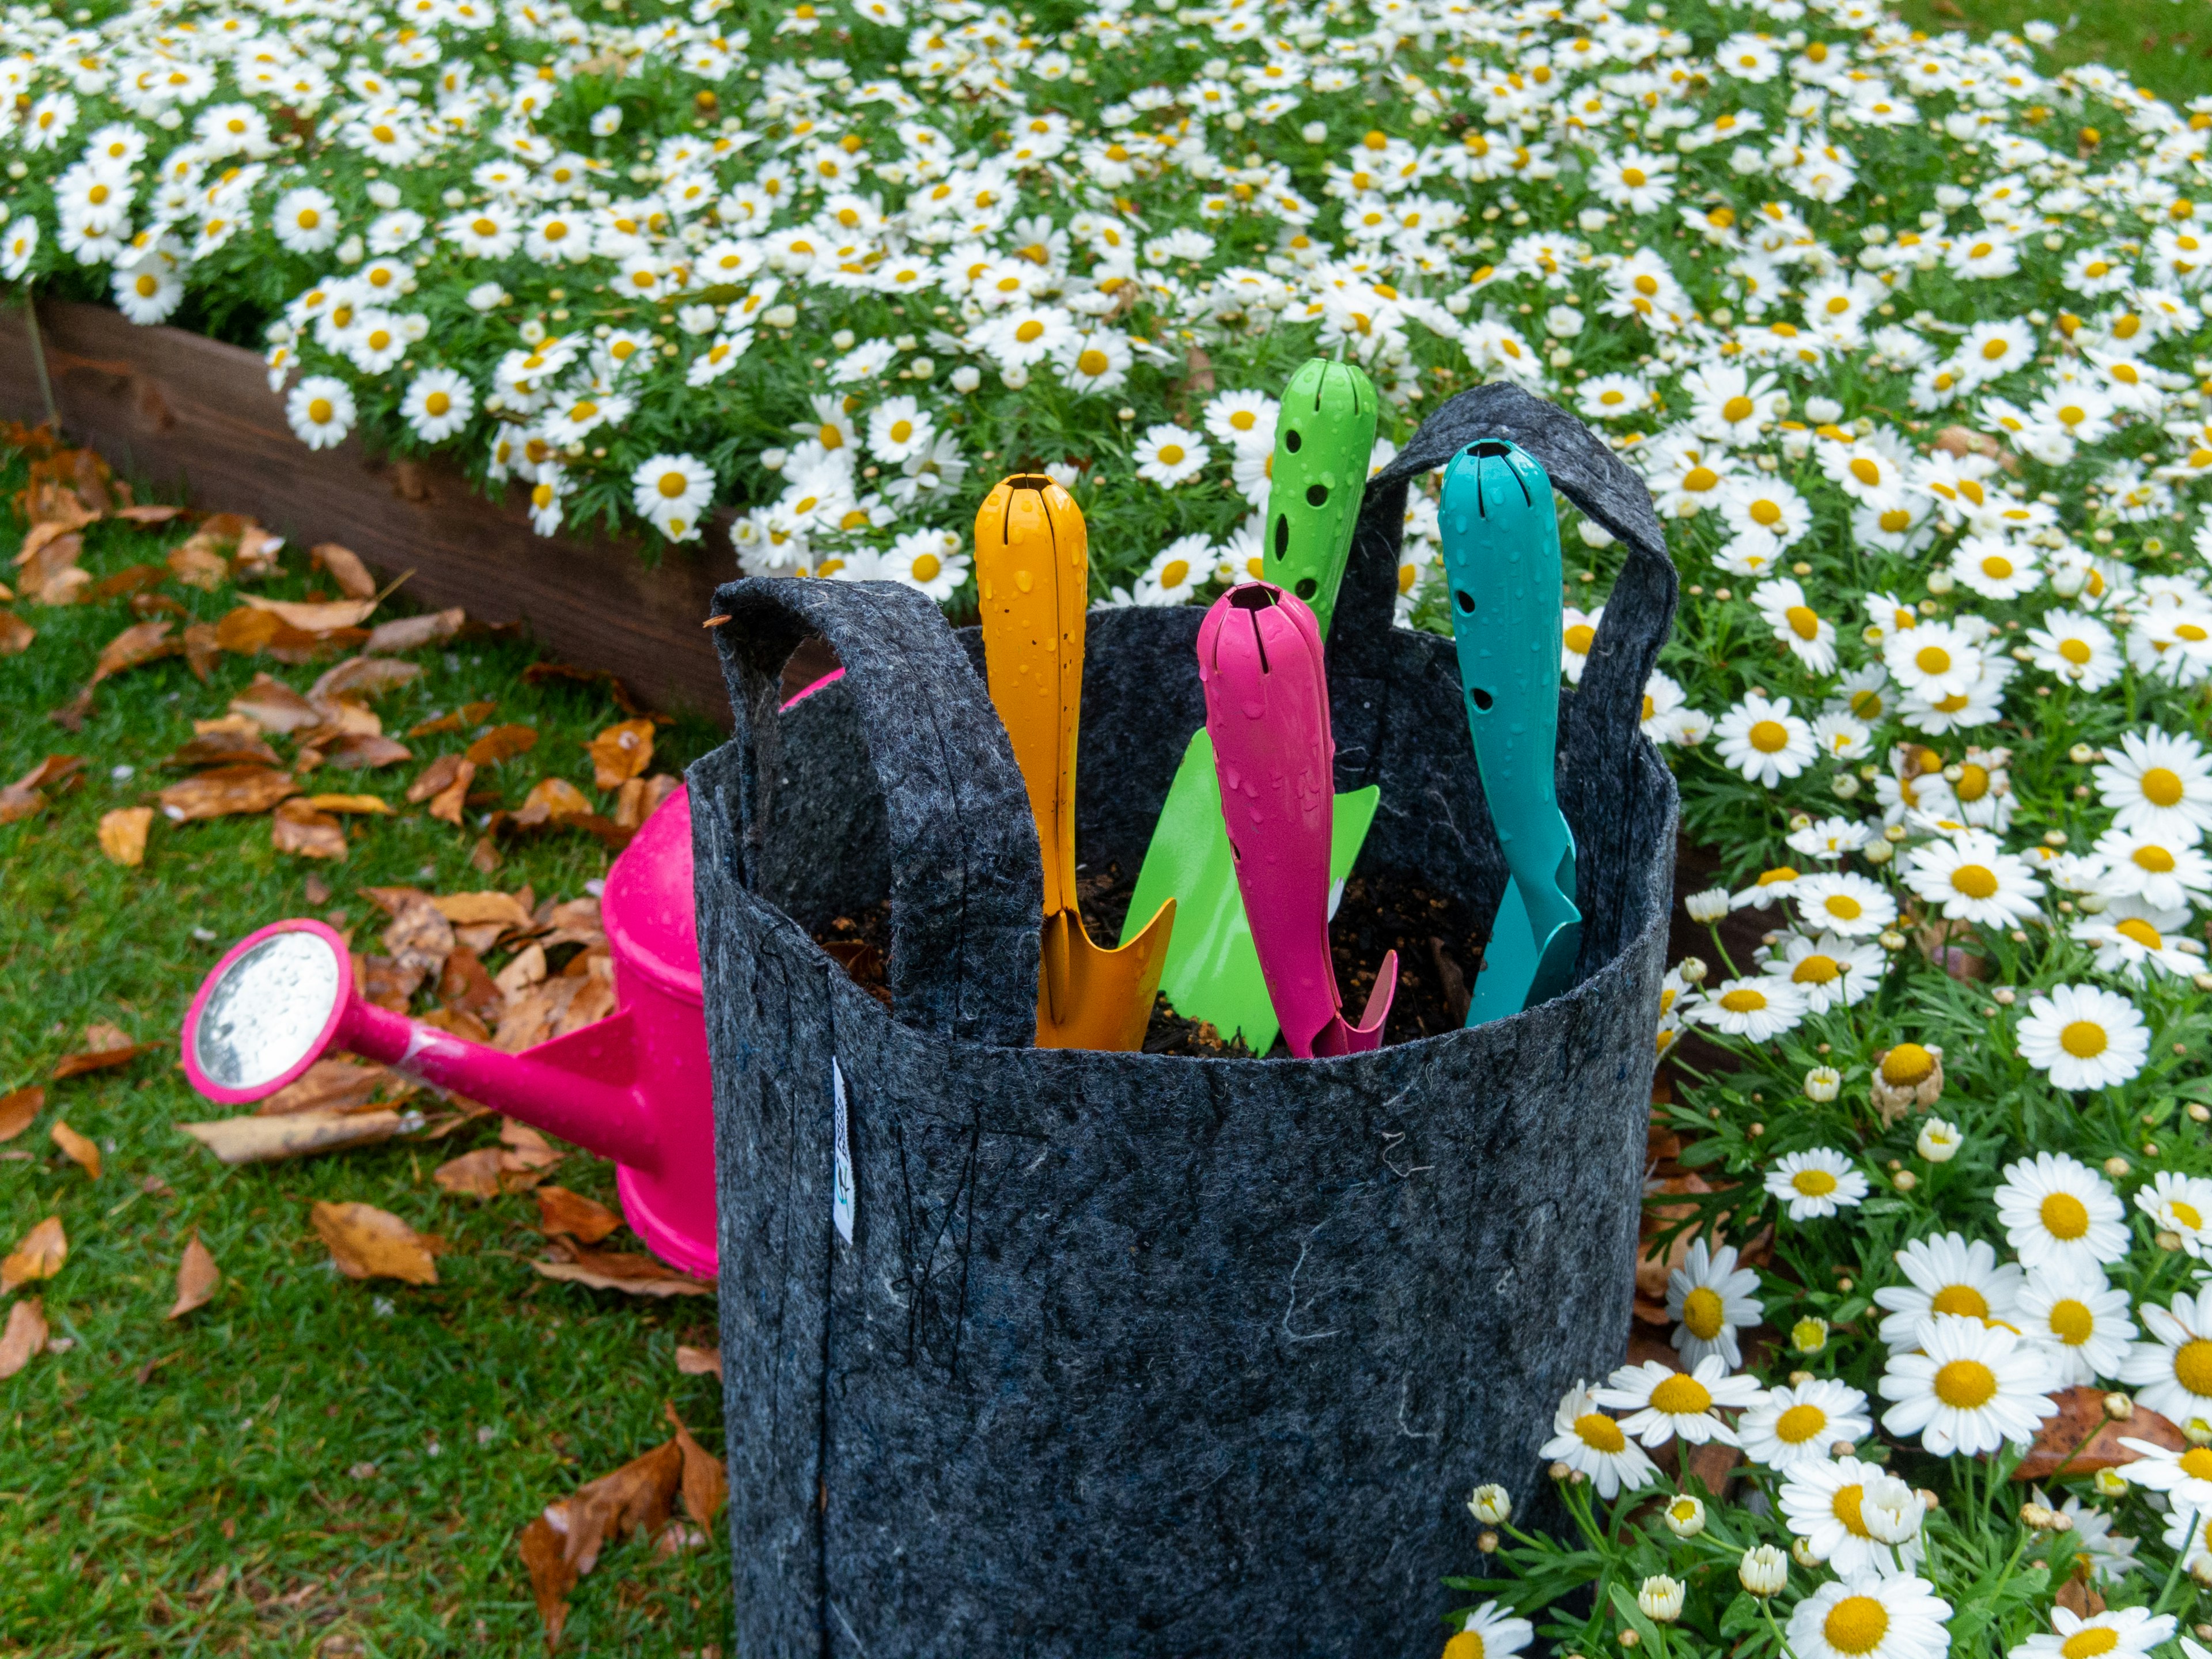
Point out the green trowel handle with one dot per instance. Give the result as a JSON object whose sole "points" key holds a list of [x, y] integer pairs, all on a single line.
{"points": [[1324, 439], [1501, 545]]}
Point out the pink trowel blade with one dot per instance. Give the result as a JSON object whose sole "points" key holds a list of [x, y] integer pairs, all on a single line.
{"points": [[1267, 711]]}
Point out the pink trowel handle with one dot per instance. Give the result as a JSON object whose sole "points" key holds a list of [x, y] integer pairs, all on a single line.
{"points": [[1267, 710]]}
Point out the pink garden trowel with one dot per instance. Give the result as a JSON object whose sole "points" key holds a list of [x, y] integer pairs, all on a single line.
{"points": [[1266, 712]]}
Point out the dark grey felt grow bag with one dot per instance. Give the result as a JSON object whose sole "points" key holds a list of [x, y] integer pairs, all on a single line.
{"points": [[1149, 1355]]}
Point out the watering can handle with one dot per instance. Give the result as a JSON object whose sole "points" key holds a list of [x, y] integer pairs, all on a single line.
{"points": [[967, 884]]}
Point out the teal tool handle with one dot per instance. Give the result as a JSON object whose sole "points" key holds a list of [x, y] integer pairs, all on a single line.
{"points": [[1324, 439], [1501, 545]]}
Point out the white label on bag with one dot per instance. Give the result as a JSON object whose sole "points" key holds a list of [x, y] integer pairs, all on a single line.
{"points": [[841, 1178]]}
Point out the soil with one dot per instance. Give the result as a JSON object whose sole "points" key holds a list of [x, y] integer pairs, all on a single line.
{"points": [[1439, 953]]}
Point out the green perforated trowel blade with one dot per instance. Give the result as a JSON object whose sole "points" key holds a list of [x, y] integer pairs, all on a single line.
{"points": [[1324, 438]]}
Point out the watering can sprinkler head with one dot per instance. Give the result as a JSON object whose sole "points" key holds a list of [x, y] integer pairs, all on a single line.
{"points": [[284, 996]]}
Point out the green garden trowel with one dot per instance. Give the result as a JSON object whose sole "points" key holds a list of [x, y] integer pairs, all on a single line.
{"points": [[1501, 545], [1324, 438]]}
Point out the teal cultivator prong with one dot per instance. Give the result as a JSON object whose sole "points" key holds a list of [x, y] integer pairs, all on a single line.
{"points": [[1324, 439], [1501, 542]]}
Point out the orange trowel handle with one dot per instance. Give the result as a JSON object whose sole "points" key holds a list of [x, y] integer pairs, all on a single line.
{"points": [[1033, 574]]}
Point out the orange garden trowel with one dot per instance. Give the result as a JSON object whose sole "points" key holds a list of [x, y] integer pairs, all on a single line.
{"points": [[1324, 437], [1033, 572]]}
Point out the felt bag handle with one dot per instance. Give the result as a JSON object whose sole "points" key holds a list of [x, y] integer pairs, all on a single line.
{"points": [[1608, 704], [967, 884]]}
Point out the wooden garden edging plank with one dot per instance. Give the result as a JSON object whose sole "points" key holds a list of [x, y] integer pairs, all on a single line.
{"points": [[175, 407]]}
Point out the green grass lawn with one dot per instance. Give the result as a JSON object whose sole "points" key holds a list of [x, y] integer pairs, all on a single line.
{"points": [[2165, 45], [206, 1486]]}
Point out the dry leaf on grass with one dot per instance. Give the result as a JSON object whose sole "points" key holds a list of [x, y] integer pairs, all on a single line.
{"points": [[463, 985], [197, 567], [137, 579], [19, 1111], [706, 1486], [613, 1270], [296, 827], [141, 642], [585, 1220], [329, 1086], [491, 1172], [469, 713], [563, 1544], [26, 796], [150, 514], [39, 1254], [2084, 1430], [105, 1048], [15, 633], [464, 909], [367, 1242], [551, 800], [25, 1337], [226, 791], [346, 569], [621, 753], [274, 707], [257, 552], [502, 743], [698, 1362], [361, 751], [80, 1149], [372, 806], [197, 1279], [257, 1139], [123, 835], [314, 618], [640, 798], [362, 677], [539, 673], [225, 748], [413, 633]]}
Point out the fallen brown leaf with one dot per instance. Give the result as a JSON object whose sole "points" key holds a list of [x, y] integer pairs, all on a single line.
{"points": [[463, 909], [140, 643], [586, 1220], [314, 618], [620, 753], [612, 1270], [540, 671], [297, 828], [698, 1362], [637, 1497], [551, 800], [544, 1555], [256, 1139], [104, 1049], [439, 776], [502, 743], [706, 1484], [198, 566], [123, 835], [2081, 1419], [469, 713], [152, 513], [19, 1111], [25, 1338], [371, 805], [419, 939], [463, 984], [346, 569], [362, 677], [39, 1254], [38, 537], [26, 795], [642, 798], [367, 1242], [50, 575], [405, 633], [224, 748], [80, 1149], [202, 649], [137, 579], [197, 1279], [490, 1172], [226, 791], [15, 633], [329, 1085], [274, 707], [360, 751]]}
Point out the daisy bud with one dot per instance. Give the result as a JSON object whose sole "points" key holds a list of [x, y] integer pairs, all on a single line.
{"points": [[1709, 906], [2202, 981], [2061, 1521], [1685, 1517], [1891, 940], [1487, 1543], [1661, 1598], [1558, 1471], [2119, 1408], [2034, 1515], [1929, 1501], [1823, 1083], [2004, 994], [2117, 1167], [1800, 1551], [2200, 1569], [1809, 1335], [1890, 1510], [2110, 1483], [2168, 1241], [1881, 853], [2080, 754], [1629, 1638], [1491, 1505], [1694, 970], [1764, 1570], [2198, 1431], [1904, 1181], [1939, 1140], [1845, 786], [967, 378]]}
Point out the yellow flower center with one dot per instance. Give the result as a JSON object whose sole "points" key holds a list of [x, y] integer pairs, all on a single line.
{"points": [[1997, 567], [1170, 455], [1600, 1432], [319, 412], [1743, 1001], [1965, 1384], [673, 484], [485, 227], [2186, 1214], [1896, 521], [2192, 1366], [900, 431], [925, 566], [2088, 1643], [1091, 363], [1837, 305], [436, 404], [2075, 652], [1976, 881], [2197, 1463], [1812, 1183], [1993, 350], [1932, 660], [2084, 1039], [2141, 931], [2072, 1323], [1632, 177], [1856, 1624], [2153, 858], [1843, 907], [1961, 1299], [1174, 573], [1579, 638], [2161, 787], [1799, 1425], [1699, 479], [1028, 331], [1803, 621], [1243, 420], [542, 495], [1865, 470], [1769, 737], [1815, 970], [1704, 1314], [1765, 512], [2064, 1216], [1465, 1646], [1844, 1506], [1681, 1396], [146, 286]]}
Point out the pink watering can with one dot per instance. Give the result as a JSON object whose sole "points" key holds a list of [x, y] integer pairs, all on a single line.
{"points": [[1267, 711], [634, 1087]]}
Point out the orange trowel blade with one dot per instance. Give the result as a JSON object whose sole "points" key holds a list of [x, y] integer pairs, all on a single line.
{"points": [[1033, 573]]}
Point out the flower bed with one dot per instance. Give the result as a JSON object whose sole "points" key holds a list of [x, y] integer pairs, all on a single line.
{"points": [[1905, 335]]}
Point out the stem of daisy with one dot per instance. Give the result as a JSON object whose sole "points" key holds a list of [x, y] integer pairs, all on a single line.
{"points": [[1767, 1607], [2173, 1572], [1714, 928]]}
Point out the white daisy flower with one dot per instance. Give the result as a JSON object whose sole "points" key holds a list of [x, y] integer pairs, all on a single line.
{"points": [[1933, 659], [2084, 1036], [898, 428], [1758, 1009], [16, 251], [1613, 397], [1971, 1387], [491, 231], [1974, 880], [1829, 1505], [306, 220], [2130, 934], [1810, 636], [2180, 1205], [2159, 785], [1799, 1425], [1830, 972], [1168, 454], [1831, 838], [2078, 649], [1592, 1443], [439, 404], [1176, 572], [321, 410], [1578, 632], [1762, 740], [1945, 1275], [2081, 1319], [2172, 1374], [2057, 1212], [2120, 1633], [1867, 1616], [1815, 1184], [1837, 901], [1667, 1403], [1095, 362], [2186, 1476], [1842, 736], [1709, 1298], [671, 492], [1243, 420], [1489, 1633], [931, 560]]}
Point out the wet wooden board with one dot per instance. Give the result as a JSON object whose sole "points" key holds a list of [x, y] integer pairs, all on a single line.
{"points": [[175, 408]]}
